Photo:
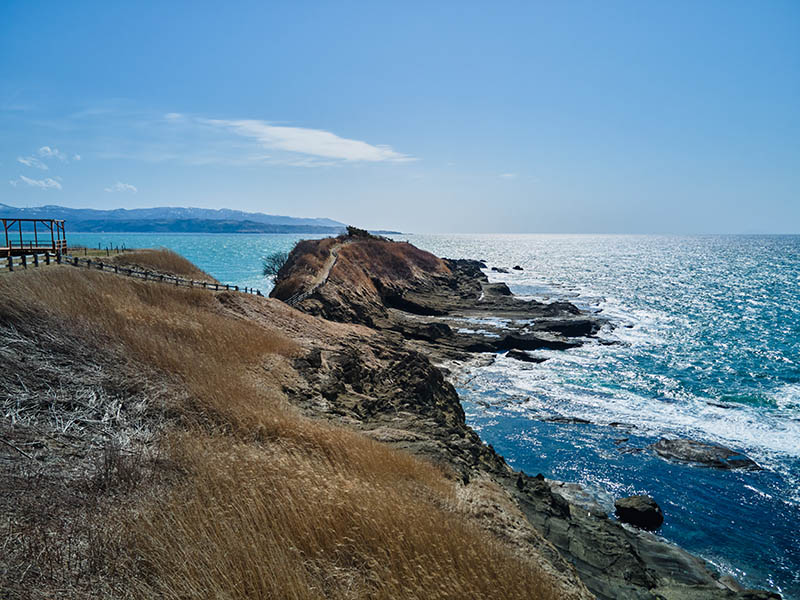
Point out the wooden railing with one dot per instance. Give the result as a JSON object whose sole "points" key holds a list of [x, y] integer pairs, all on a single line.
{"points": [[13, 263], [22, 236]]}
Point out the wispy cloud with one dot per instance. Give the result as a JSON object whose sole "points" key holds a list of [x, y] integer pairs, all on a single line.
{"points": [[508, 175], [44, 184], [48, 152], [45, 153], [125, 134], [122, 187], [32, 161], [309, 142]]}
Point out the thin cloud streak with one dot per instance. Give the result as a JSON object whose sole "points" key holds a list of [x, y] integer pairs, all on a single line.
{"points": [[44, 184], [33, 162], [122, 187], [310, 142]]}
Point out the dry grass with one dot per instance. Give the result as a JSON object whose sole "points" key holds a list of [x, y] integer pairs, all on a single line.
{"points": [[162, 261], [282, 522], [390, 261], [91, 252], [270, 504], [305, 260]]}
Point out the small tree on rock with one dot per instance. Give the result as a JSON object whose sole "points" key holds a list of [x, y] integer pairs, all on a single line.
{"points": [[274, 262]]}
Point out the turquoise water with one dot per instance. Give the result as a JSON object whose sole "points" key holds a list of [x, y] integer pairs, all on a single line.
{"points": [[706, 345], [234, 259]]}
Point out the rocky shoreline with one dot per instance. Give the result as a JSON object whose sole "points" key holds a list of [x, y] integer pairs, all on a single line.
{"points": [[386, 379]]}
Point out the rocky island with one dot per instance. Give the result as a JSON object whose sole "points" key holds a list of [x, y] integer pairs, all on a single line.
{"points": [[182, 443]]}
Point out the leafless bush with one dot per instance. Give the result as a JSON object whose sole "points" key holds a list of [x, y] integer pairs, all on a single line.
{"points": [[273, 263]]}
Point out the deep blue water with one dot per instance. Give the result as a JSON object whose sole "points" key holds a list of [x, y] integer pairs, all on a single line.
{"points": [[707, 332]]}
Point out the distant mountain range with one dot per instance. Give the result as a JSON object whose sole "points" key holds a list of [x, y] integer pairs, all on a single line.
{"points": [[172, 219]]}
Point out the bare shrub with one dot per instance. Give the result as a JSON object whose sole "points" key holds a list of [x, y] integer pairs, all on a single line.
{"points": [[273, 263]]}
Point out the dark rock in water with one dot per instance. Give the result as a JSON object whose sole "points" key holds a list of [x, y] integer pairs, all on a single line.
{"points": [[707, 455], [569, 420], [556, 308], [532, 342], [641, 511], [499, 270], [517, 268], [569, 327], [496, 289], [524, 356]]}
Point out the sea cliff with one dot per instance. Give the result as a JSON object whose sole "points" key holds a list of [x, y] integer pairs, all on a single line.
{"points": [[411, 298]]}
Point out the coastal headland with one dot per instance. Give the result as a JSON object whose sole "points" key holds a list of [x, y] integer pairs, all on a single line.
{"points": [[186, 443]]}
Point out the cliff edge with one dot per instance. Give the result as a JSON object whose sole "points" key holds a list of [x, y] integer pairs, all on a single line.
{"points": [[410, 298]]}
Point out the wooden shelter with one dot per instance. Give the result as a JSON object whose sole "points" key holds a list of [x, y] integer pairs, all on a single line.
{"points": [[33, 236]]}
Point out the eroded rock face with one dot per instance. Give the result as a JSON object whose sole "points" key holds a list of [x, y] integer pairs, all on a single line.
{"points": [[386, 385], [703, 454], [641, 511]]}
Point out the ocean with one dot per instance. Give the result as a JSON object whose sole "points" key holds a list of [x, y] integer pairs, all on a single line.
{"points": [[703, 342]]}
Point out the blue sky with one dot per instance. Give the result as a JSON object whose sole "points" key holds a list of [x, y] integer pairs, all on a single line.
{"points": [[432, 116]]}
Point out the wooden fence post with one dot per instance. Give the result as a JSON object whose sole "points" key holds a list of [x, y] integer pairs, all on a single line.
{"points": [[46, 257], [24, 261], [88, 263], [75, 261], [35, 260], [10, 261]]}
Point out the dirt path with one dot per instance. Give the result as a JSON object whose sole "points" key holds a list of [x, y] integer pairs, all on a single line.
{"points": [[323, 275], [320, 278]]}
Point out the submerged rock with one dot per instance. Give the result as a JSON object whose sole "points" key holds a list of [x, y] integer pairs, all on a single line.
{"points": [[704, 454], [641, 511], [517, 268], [499, 270]]}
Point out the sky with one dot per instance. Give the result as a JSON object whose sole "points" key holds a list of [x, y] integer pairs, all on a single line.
{"points": [[574, 117]]}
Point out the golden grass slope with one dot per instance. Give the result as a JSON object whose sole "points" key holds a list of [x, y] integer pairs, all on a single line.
{"points": [[260, 501]]}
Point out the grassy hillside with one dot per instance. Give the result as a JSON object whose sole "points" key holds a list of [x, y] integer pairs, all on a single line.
{"points": [[150, 451]]}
